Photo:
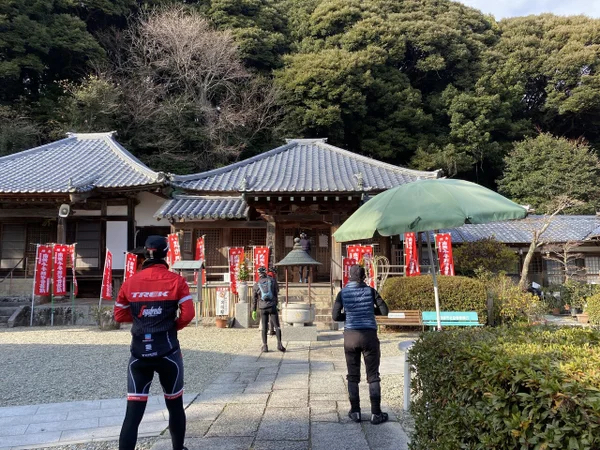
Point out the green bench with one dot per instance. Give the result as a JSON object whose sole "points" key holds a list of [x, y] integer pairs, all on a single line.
{"points": [[451, 319]]}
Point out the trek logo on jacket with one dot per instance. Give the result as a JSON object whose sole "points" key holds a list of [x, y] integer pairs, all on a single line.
{"points": [[151, 299]]}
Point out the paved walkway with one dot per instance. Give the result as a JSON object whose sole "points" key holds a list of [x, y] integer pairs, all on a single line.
{"points": [[285, 401]]}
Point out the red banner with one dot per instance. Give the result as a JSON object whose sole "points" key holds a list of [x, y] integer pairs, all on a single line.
{"points": [[73, 259], [363, 254], [200, 255], [346, 264], [43, 270], [59, 281], [130, 265], [261, 259], [174, 252], [411, 257], [443, 242], [107, 278], [236, 254]]}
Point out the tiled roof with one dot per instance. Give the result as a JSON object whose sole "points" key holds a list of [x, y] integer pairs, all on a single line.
{"points": [[303, 165], [197, 207], [561, 229], [78, 163]]}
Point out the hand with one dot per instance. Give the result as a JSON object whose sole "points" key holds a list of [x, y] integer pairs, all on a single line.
{"points": [[254, 315]]}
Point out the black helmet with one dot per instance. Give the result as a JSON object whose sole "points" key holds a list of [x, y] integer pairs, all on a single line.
{"points": [[303, 235], [262, 271], [156, 247]]}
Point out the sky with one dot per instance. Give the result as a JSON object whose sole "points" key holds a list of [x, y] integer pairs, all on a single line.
{"points": [[501, 9]]}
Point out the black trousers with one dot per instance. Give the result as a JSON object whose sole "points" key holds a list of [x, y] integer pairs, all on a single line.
{"points": [[364, 343], [269, 315]]}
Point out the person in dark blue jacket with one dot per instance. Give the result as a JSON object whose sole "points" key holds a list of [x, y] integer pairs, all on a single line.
{"points": [[357, 304], [305, 244]]}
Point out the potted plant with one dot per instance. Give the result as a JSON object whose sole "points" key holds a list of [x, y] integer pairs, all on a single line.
{"points": [[554, 303], [243, 277], [221, 321], [583, 317]]}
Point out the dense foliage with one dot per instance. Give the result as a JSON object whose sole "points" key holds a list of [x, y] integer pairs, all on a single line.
{"points": [[487, 254], [592, 308], [507, 388], [426, 83], [456, 294]]}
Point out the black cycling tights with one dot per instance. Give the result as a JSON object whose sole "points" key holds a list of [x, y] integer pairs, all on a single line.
{"points": [[133, 417]]}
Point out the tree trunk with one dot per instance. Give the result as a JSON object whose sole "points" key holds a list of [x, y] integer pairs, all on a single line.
{"points": [[525, 269]]}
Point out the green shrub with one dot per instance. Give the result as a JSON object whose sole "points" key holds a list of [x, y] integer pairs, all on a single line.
{"points": [[456, 294], [593, 309], [511, 304], [487, 254], [516, 387]]}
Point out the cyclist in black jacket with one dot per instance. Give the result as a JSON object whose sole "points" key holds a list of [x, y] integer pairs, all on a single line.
{"points": [[265, 297]]}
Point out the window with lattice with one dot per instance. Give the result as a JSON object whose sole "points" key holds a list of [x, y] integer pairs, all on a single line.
{"points": [[248, 238], [187, 241], [213, 243]]}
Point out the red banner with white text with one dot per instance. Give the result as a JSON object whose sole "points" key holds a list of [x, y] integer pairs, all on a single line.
{"points": [[174, 252], [346, 264], [261, 259], [443, 242], [130, 265], [107, 293], [236, 254], [200, 255], [73, 259], [43, 270], [363, 255], [411, 256], [59, 280]]}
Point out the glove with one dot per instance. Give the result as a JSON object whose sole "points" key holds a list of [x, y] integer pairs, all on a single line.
{"points": [[254, 315]]}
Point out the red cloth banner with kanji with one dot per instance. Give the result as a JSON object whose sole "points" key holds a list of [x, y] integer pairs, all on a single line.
{"points": [[346, 264], [59, 281], [443, 242], [200, 252], [261, 259], [107, 278], [411, 256], [130, 265], [236, 254], [43, 270], [363, 255], [174, 252], [73, 258]]}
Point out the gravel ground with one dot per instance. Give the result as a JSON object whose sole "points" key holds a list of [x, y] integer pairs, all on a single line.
{"points": [[47, 365], [62, 364]]}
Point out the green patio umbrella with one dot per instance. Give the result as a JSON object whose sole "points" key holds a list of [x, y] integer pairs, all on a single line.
{"points": [[427, 205]]}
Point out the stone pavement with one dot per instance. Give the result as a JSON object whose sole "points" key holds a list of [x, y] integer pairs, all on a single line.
{"points": [[285, 401], [49, 424]]}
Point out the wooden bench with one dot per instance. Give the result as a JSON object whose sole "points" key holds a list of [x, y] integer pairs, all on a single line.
{"points": [[452, 319], [406, 318]]}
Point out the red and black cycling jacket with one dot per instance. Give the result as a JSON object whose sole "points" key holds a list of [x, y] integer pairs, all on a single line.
{"points": [[150, 299]]}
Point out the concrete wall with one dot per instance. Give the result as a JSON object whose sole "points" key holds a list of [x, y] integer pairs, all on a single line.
{"points": [[20, 287], [145, 210]]}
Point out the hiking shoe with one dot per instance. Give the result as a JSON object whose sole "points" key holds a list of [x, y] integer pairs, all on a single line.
{"points": [[264, 348], [376, 419], [281, 348], [354, 416], [272, 333]]}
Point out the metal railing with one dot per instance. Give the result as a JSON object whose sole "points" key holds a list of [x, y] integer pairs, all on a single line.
{"points": [[9, 275]]}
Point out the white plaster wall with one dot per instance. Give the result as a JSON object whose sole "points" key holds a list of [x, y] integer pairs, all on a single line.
{"points": [[116, 242], [145, 210]]}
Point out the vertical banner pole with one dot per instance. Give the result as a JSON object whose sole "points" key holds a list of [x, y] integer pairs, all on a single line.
{"points": [[73, 259], [52, 286], [37, 251], [102, 285]]}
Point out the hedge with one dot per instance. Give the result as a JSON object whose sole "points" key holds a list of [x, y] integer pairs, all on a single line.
{"points": [[593, 309], [507, 388], [456, 294]]}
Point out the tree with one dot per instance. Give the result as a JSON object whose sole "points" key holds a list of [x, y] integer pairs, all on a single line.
{"points": [[17, 132], [371, 74], [543, 168], [487, 254], [185, 100], [565, 256]]}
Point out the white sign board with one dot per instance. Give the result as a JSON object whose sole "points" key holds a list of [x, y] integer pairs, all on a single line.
{"points": [[396, 315], [222, 301]]}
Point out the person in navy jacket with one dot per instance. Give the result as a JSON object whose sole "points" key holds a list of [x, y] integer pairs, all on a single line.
{"points": [[357, 304]]}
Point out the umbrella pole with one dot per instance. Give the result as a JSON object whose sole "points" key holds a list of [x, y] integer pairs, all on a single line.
{"points": [[435, 285]]}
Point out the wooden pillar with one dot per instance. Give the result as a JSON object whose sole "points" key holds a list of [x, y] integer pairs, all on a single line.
{"points": [[271, 237], [61, 233], [130, 223], [336, 252]]}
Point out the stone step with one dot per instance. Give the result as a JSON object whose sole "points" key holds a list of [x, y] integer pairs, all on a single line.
{"points": [[7, 310], [4, 319]]}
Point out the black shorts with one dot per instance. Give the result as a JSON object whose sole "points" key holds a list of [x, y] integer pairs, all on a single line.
{"points": [[141, 371]]}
